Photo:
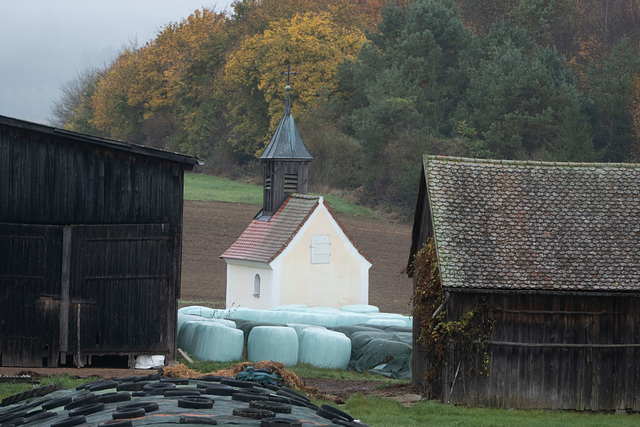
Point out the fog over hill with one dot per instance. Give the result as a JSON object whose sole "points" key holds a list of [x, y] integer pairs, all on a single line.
{"points": [[44, 43]]}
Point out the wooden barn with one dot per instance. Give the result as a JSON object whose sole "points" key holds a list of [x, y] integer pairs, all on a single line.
{"points": [[553, 250], [90, 247]]}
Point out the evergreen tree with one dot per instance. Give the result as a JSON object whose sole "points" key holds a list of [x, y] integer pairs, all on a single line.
{"points": [[522, 100], [613, 104]]}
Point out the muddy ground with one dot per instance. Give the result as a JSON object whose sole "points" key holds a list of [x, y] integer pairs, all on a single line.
{"points": [[211, 227]]}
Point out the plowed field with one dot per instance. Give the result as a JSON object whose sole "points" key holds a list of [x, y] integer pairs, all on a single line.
{"points": [[211, 227]]}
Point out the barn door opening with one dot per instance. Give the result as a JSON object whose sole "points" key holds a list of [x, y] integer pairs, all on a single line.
{"points": [[30, 298]]}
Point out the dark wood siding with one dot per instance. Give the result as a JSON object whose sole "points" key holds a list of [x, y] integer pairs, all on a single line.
{"points": [[30, 262], [48, 179], [553, 351], [279, 177], [90, 246]]}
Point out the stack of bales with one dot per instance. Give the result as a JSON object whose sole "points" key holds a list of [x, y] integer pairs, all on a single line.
{"points": [[292, 334]]}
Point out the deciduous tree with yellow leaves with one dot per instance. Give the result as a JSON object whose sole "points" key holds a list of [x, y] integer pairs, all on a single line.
{"points": [[313, 44]]}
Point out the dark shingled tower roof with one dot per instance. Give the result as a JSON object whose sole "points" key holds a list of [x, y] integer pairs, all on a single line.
{"points": [[286, 142]]}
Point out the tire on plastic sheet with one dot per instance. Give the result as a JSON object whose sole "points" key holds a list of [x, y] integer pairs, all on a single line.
{"points": [[117, 423], [131, 386], [182, 392], [329, 415], [221, 390], [277, 407], [278, 422], [114, 397], [91, 408], [71, 421], [147, 406], [195, 402], [198, 420], [336, 411], [248, 397], [104, 385], [57, 402], [128, 413], [256, 414]]}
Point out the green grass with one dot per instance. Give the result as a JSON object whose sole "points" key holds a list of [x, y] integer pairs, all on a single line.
{"points": [[213, 189], [210, 188], [376, 411], [9, 389]]}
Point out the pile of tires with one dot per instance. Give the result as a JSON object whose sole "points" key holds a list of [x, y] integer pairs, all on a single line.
{"points": [[154, 400]]}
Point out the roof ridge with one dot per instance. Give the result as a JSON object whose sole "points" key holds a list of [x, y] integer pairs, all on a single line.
{"points": [[453, 159]]}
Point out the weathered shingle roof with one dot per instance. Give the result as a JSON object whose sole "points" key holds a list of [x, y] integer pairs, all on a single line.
{"points": [[262, 241], [531, 225], [286, 142]]}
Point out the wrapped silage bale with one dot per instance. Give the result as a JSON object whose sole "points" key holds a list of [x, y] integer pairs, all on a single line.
{"points": [[279, 316], [224, 322], [330, 310], [278, 344], [249, 314], [345, 318], [290, 307], [183, 318], [307, 318], [300, 327], [389, 321], [215, 342], [186, 333], [360, 308], [406, 319], [197, 310], [324, 348]]}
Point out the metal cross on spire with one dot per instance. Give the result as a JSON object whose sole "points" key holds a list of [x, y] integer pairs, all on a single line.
{"points": [[288, 73]]}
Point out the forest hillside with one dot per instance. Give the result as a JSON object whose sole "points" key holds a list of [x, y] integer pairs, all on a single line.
{"points": [[376, 85]]}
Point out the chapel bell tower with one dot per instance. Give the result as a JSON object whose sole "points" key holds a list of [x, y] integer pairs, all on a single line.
{"points": [[285, 162]]}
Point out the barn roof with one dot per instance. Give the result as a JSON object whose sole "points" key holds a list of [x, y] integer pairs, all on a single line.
{"points": [[534, 226], [189, 161], [263, 241]]}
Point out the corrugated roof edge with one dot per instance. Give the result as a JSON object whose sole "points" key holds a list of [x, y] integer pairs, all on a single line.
{"points": [[111, 143]]}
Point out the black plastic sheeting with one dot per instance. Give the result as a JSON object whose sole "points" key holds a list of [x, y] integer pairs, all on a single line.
{"points": [[168, 401], [382, 350]]}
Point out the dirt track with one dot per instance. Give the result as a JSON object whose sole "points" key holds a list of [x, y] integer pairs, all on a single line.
{"points": [[211, 227]]}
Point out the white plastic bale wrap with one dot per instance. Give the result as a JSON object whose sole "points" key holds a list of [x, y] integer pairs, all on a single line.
{"points": [[324, 348], [290, 307], [197, 310], [213, 341], [360, 308], [183, 318], [329, 310], [186, 334], [387, 321], [300, 327], [273, 343]]}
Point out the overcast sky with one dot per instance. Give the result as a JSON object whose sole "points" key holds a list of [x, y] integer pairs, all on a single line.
{"points": [[45, 43]]}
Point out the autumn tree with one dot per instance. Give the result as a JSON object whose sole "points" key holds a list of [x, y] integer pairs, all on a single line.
{"points": [[312, 44], [73, 110]]}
